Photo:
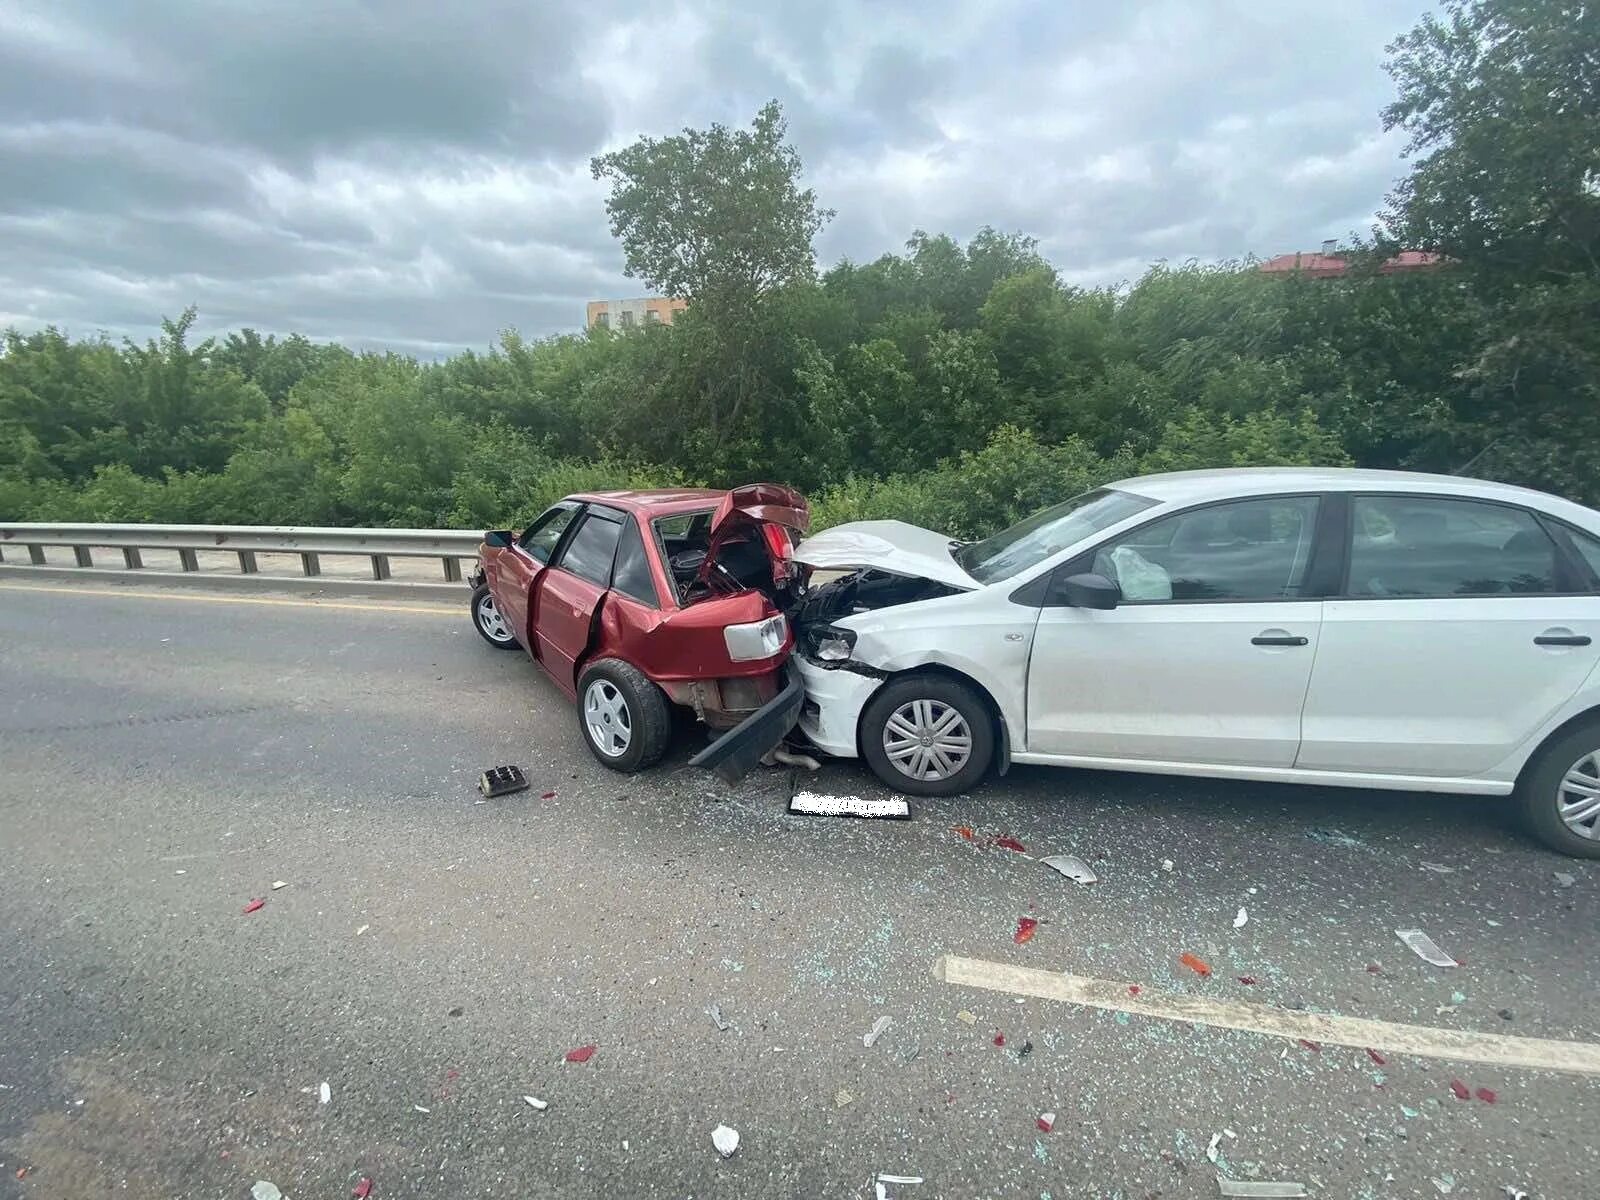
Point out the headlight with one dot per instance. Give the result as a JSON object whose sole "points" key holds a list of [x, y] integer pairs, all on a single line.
{"points": [[762, 639], [833, 645]]}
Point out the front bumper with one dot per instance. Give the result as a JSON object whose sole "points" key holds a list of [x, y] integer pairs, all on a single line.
{"points": [[834, 700]]}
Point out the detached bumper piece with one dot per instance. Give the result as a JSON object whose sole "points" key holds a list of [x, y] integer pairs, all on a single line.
{"points": [[736, 753], [499, 781]]}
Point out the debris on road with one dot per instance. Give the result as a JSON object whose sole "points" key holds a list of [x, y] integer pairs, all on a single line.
{"points": [[362, 929], [1239, 921], [781, 756], [1437, 868], [582, 1054], [1198, 965], [1335, 837], [1444, 1183], [1026, 928], [279, 883], [362, 1189], [876, 1032], [715, 1013], [1073, 867], [964, 830], [1260, 1188], [1424, 948], [966, 1017], [324, 1093], [535, 1103], [1486, 1095], [725, 1140], [547, 795], [1005, 842], [1565, 880], [265, 1189], [1046, 1122], [1513, 1193], [1026, 1049], [501, 781], [1307, 1043], [1247, 980], [1460, 1089], [817, 804], [1166, 864], [999, 1039], [419, 1108], [1376, 1057], [843, 1097], [255, 905]]}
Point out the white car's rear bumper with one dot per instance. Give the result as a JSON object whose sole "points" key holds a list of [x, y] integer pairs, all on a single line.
{"points": [[833, 704]]}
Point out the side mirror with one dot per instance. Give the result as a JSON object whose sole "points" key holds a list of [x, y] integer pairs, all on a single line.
{"points": [[1090, 591], [500, 539]]}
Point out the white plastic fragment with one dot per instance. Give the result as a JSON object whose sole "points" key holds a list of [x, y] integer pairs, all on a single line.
{"points": [[324, 1093], [876, 1032], [1216, 1140], [1565, 880], [1444, 1183], [715, 1013], [420, 1109], [1424, 948], [1260, 1188], [264, 1189], [1047, 1122], [1513, 1193], [1238, 921], [362, 930], [1166, 864], [725, 1140], [899, 1178], [279, 883], [1437, 868], [535, 1103], [967, 1018], [1073, 867]]}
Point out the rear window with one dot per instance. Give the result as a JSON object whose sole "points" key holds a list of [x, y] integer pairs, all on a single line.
{"points": [[589, 552]]}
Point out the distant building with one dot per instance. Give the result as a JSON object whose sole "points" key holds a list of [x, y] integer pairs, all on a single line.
{"points": [[630, 314], [1327, 263]]}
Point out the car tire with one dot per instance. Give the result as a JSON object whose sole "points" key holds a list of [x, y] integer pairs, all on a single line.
{"points": [[625, 720], [909, 722], [486, 619], [1541, 794]]}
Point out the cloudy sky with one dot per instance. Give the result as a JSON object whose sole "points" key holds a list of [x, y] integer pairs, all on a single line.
{"points": [[415, 175]]}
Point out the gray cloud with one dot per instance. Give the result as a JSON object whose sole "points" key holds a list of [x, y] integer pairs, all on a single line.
{"points": [[394, 173]]}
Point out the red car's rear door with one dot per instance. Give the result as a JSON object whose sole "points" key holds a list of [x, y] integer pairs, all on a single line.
{"points": [[511, 572], [567, 594]]}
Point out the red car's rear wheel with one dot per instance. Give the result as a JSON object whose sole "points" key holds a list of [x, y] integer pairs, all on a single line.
{"points": [[625, 719]]}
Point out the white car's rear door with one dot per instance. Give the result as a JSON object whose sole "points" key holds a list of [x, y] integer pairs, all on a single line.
{"points": [[1207, 657], [1462, 628]]}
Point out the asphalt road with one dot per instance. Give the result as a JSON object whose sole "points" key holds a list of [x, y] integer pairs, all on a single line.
{"points": [[165, 757]]}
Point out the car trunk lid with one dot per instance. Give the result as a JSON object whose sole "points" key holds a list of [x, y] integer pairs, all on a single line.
{"points": [[776, 512]]}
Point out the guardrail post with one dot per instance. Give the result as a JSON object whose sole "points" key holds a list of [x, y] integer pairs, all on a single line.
{"points": [[187, 560], [310, 563], [452, 570], [81, 554], [247, 562], [131, 558], [380, 566], [36, 555]]}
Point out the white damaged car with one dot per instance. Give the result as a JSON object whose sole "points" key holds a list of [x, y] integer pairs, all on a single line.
{"points": [[1362, 628]]}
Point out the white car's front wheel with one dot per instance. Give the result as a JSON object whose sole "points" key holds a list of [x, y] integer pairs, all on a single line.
{"points": [[928, 735]]}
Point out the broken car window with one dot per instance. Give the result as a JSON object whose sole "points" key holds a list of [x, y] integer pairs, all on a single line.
{"points": [[1028, 543], [540, 538]]}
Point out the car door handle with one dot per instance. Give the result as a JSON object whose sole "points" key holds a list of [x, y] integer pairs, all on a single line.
{"points": [[1278, 639], [1562, 639]]}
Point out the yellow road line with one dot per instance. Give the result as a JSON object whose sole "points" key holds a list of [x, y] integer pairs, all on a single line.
{"points": [[1499, 1050], [202, 598]]}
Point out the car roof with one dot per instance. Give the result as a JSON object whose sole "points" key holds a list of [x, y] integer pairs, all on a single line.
{"points": [[1187, 487], [656, 502]]}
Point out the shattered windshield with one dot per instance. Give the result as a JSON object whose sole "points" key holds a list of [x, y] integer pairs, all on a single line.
{"points": [[1031, 541]]}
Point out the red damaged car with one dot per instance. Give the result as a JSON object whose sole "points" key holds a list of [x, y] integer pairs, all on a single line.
{"points": [[632, 601]]}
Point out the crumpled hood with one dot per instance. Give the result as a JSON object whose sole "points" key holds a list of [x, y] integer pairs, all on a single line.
{"points": [[887, 546]]}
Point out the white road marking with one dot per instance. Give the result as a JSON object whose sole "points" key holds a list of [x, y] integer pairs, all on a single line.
{"points": [[1545, 1054], [202, 598]]}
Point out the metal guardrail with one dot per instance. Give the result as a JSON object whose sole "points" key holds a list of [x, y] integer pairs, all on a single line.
{"points": [[377, 546]]}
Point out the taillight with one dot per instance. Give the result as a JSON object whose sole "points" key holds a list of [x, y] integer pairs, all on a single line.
{"points": [[777, 540]]}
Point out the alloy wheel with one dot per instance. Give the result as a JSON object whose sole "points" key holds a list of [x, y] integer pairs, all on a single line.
{"points": [[927, 739], [606, 717], [1578, 797], [490, 621]]}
